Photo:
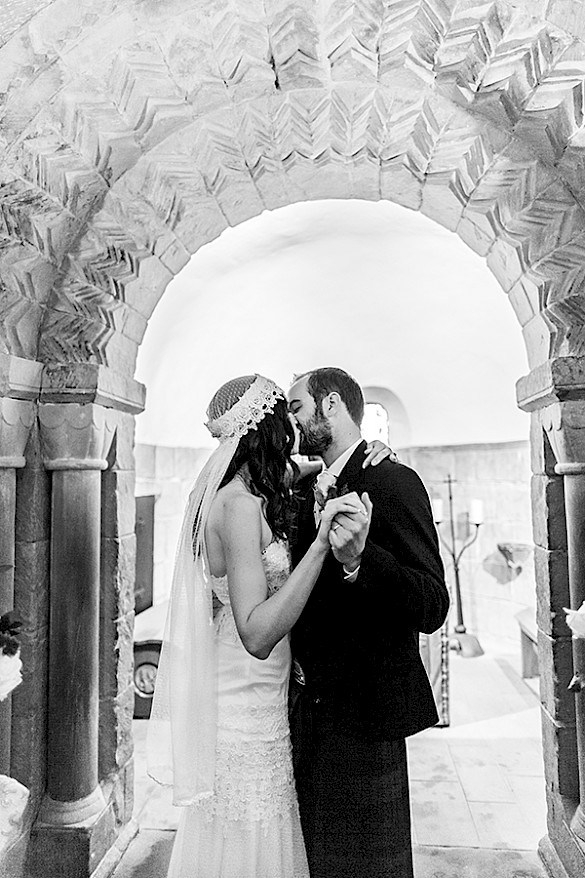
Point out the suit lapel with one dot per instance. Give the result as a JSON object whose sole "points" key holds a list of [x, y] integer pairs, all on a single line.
{"points": [[351, 473]]}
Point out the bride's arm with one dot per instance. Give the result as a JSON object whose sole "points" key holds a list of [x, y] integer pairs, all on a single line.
{"points": [[262, 620]]}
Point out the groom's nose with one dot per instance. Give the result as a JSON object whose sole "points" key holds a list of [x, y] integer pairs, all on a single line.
{"points": [[297, 433]]}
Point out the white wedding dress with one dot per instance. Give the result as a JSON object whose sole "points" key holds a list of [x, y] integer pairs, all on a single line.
{"points": [[250, 827]]}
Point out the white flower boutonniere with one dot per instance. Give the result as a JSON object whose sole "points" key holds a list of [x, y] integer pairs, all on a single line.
{"points": [[10, 673], [10, 662], [576, 620]]}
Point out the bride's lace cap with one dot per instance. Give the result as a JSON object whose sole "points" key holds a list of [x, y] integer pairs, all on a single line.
{"points": [[239, 406]]}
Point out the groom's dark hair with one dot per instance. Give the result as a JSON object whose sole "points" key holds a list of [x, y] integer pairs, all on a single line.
{"points": [[320, 382]]}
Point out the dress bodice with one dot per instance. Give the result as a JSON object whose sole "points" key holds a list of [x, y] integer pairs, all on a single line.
{"points": [[276, 561]]}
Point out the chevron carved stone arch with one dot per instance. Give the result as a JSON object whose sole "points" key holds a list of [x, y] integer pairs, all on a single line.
{"points": [[134, 133]]}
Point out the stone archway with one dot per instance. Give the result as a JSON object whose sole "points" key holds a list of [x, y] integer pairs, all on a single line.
{"points": [[134, 133]]}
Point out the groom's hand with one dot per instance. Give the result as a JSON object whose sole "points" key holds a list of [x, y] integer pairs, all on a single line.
{"points": [[349, 532]]}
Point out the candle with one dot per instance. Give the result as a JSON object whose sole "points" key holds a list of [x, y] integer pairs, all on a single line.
{"points": [[437, 504], [476, 512]]}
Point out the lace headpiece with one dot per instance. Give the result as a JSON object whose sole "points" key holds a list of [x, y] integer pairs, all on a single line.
{"points": [[246, 412], [182, 730]]}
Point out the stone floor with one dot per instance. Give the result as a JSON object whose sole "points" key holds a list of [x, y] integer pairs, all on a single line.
{"points": [[477, 787]]}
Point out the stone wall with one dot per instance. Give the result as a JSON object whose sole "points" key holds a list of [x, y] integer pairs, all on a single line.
{"points": [[498, 474], [168, 474]]}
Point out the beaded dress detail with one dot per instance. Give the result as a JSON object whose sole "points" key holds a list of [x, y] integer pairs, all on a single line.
{"points": [[250, 826]]}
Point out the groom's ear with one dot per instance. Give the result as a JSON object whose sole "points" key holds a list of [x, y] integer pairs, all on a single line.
{"points": [[331, 403]]}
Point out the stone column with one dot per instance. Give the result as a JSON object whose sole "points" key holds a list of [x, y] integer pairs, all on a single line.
{"points": [[74, 441], [554, 393], [16, 418], [87, 806], [564, 423]]}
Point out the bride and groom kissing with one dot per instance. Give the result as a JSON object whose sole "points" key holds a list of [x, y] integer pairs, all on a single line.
{"points": [[344, 590]]}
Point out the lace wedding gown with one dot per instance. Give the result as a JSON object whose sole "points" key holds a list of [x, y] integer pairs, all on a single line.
{"points": [[250, 827]]}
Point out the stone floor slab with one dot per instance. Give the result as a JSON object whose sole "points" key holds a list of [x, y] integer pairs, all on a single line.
{"points": [[439, 862], [441, 815], [148, 857]]}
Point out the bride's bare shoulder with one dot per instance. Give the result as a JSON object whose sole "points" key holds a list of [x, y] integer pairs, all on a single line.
{"points": [[235, 499]]}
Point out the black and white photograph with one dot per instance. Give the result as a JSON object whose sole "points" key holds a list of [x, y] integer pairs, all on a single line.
{"points": [[292, 439]]}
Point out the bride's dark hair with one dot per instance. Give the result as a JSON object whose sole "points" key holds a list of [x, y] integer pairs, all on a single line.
{"points": [[266, 449]]}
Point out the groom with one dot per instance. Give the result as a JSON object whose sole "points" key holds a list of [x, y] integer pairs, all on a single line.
{"points": [[364, 688]]}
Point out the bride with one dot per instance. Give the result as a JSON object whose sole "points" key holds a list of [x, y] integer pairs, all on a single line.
{"points": [[219, 731]]}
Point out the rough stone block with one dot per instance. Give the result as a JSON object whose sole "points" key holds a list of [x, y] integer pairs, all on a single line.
{"points": [[115, 723], [118, 503], [124, 709], [552, 591], [548, 512], [72, 852], [560, 758], [122, 793], [118, 575], [31, 582], [556, 670], [125, 433], [33, 501]]}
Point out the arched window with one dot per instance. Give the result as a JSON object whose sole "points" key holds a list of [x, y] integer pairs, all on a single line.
{"points": [[376, 423]]}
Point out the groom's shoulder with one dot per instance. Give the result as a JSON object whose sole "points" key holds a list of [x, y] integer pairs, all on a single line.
{"points": [[392, 475]]}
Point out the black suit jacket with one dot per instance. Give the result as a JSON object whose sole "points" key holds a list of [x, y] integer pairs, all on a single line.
{"points": [[357, 642]]}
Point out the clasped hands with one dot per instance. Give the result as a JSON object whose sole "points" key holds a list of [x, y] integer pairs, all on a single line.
{"points": [[345, 523]]}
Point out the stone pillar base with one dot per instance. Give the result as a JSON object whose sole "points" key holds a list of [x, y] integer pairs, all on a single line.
{"points": [[573, 853], [71, 851], [12, 860], [54, 813]]}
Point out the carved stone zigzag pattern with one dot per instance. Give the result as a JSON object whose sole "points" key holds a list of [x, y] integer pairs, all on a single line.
{"points": [[72, 338], [507, 59], [101, 134], [485, 152], [25, 280], [148, 98], [116, 259], [437, 144], [295, 47], [240, 46], [461, 32], [30, 215], [555, 114], [412, 35], [540, 224], [169, 183], [55, 168], [352, 33]]}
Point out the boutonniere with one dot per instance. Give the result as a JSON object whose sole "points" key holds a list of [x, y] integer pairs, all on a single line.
{"points": [[322, 496], [576, 620], [10, 662]]}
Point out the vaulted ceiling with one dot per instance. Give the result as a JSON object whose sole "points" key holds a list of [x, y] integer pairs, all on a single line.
{"points": [[132, 133]]}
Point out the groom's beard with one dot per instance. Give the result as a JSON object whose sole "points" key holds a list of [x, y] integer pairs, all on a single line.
{"points": [[315, 436]]}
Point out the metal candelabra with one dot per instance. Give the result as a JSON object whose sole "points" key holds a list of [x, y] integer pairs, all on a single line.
{"points": [[467, 645]]}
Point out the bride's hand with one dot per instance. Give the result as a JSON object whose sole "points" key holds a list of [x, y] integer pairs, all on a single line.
{"points": [[349, 504], [376, 452]]}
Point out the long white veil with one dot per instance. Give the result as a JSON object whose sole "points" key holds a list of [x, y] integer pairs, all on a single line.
{"points": [[182, 728]]}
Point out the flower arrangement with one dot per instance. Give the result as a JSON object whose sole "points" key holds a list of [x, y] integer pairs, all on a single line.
{"points": [[576, 620], [10, 662]]}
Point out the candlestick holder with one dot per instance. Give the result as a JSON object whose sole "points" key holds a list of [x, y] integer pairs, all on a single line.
{"points": [[467, 645]]}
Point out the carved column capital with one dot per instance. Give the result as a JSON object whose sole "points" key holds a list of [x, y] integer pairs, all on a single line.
{"points": [[561, 379], [564, 424], [87, 383], [19, 378], [74, 436], [16, 420]]}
